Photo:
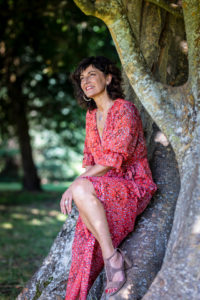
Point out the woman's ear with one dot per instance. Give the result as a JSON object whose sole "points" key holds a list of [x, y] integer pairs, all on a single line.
{"points": [[108, 79]]}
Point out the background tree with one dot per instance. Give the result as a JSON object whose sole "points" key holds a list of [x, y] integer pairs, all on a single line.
{"points": [[159, 47]]}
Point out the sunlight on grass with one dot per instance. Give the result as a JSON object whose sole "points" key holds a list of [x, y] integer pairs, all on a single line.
{"points": [[19, 216], [36, 222], [53, 213], [6, 225], [35, 211], [38, 212], [61, 217]]}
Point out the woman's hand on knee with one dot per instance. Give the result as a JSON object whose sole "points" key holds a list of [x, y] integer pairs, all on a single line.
{"points": [[66, 202]]}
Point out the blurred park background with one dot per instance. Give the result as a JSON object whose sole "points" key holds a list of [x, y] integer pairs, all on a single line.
{"points": [[42, 129]]}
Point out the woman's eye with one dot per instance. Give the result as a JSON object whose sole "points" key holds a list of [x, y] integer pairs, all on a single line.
{"points": [[91, 74]]}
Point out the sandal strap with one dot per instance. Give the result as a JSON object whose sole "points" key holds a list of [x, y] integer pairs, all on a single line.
{"points": [[115, 284], [110, 271], [115, 251]]}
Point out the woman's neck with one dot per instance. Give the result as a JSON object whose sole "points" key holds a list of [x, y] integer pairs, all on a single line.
{"points": [[103, 103]]}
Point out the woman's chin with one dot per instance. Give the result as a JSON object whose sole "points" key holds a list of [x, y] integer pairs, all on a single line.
{"points": [[94, 95], [91, 95]]}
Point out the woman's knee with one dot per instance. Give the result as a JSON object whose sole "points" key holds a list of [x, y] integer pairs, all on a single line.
{"points": [[82, 189]]}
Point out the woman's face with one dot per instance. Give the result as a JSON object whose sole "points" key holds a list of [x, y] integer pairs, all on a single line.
{"points": [[93, 81]]}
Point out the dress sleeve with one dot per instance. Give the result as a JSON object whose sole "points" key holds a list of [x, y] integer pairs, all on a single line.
{"points": [[88, 159], [121, 138]]}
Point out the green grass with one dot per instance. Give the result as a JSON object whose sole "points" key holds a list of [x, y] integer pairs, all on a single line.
{"points": [[29, 222], [17, 186]]}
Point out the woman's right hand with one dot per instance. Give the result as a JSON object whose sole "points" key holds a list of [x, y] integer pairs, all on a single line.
{"points": [[66, 202]]}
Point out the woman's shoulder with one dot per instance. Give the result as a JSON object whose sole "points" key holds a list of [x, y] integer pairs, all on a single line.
{"points": [[120, 105], [125, 105]]}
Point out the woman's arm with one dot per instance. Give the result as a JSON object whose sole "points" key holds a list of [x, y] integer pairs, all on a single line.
{"points": [[96, 170], [87, 167]]}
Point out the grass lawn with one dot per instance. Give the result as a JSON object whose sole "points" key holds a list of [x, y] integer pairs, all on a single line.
{"points": [[29, 222]]}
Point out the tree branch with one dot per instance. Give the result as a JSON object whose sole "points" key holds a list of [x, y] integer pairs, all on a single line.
{"points": [[86, 6], [102, 9], [191, 9], [154, 96], [172, 8]]}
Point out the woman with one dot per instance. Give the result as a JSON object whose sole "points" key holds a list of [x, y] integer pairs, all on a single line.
{"points": [[117, 184]]}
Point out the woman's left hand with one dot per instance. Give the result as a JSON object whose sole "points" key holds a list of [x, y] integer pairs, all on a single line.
{"points": [[66, 202]]}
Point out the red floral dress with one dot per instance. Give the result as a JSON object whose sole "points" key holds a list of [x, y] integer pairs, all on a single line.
{"points": [[125, 190]]}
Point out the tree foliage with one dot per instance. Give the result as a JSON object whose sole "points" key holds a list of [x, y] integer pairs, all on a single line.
{"points": [[40, 44]]}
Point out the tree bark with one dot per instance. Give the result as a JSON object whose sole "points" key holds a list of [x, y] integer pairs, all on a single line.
{"points": [[179, 275]]}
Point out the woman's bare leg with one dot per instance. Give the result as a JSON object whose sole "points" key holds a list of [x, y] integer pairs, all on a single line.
{"points": [[93, 215]]}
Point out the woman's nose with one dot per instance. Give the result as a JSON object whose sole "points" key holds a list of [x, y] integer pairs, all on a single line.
{"points": [[87, 79]]}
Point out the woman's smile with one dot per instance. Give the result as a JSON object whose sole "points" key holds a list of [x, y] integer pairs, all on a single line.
{"points": [[89, 88]]}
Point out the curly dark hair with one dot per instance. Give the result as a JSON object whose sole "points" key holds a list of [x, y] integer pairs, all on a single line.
{"points": [[106, 66]]}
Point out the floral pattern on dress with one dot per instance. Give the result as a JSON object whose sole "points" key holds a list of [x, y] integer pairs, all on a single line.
{"points": [[125, 190]]}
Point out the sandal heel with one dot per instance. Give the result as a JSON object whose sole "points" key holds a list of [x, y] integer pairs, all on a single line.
{"points": [[127, 263]]}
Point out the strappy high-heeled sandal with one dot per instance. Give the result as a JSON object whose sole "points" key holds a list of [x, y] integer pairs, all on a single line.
{"points": [[111, 271]]}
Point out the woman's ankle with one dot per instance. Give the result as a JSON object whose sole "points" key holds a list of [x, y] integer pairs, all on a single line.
{"points": [[116, 259], [108, 253]]}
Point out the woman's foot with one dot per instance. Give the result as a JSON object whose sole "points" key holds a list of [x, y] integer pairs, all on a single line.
{"points": [[115, 272]]}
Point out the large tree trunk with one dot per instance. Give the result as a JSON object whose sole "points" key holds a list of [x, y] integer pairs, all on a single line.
{"points": [[179, 275], [150, 39], [31, 180]]}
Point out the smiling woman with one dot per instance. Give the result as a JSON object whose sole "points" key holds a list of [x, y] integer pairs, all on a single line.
{"points": [[117, 184]]}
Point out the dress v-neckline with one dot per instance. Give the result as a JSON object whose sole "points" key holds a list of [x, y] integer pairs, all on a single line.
{"points": [[105, 124]]}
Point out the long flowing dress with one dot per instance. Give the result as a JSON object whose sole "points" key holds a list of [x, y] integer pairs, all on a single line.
{"points": [[125, 190]]}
